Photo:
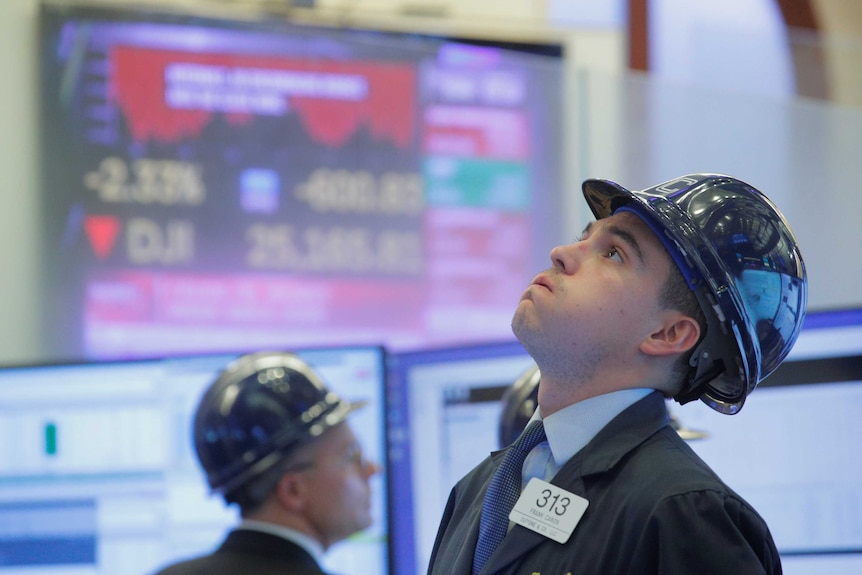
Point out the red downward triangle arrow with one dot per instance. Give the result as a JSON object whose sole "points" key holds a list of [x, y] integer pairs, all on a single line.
{"points": [[102, 232]]}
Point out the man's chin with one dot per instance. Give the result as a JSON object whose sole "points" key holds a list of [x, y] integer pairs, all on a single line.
{"points": [[521, 324]]}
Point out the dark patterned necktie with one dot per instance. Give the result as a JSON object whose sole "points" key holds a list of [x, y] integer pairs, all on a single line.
{"points": [[503, 493]]}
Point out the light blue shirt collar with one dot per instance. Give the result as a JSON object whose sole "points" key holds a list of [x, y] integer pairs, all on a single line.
{"points": [[571, 428]]}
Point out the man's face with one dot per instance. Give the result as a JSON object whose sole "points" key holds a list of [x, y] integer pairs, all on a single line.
{"points": [[597, 301], [339, 501]]}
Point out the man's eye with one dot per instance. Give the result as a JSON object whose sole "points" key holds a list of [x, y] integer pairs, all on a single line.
{"points": [[615, 255], [354, 455]]}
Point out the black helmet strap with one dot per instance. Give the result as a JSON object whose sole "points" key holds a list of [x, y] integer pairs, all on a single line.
{"points": [[711, 356]]}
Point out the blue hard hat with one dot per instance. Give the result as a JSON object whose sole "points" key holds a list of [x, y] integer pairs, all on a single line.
{"points": [[258, 410], [739, 256]]}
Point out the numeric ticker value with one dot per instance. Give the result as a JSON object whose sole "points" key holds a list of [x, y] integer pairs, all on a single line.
{"points": [[284, 247], [361, 192], [147, 181]]}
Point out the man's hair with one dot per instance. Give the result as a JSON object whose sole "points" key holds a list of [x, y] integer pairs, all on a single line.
{"points": [[675, 294], [250, 496]]}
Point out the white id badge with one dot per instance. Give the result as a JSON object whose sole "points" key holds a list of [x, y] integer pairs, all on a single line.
{"points": [[548, 510]]}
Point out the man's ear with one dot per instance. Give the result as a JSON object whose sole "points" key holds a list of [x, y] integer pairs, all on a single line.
{"points": [[291, 491], [678, 334]]}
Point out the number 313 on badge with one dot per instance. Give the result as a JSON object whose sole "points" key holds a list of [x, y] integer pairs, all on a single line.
{"points": [[548, 510]]}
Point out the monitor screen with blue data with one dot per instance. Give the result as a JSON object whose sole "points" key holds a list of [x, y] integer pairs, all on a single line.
{"points": [[444, 417], [98, 474], [793, 450]]}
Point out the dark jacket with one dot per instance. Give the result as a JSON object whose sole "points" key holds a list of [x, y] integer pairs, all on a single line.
{"points": [[250, 552], [654, 508]]}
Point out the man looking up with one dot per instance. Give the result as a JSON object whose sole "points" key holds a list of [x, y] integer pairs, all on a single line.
{"points": [[691, 289]]}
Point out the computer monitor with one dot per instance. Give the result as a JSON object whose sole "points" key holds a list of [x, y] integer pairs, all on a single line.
{"points": [[793, 450], [444, 419], [98, 473]]}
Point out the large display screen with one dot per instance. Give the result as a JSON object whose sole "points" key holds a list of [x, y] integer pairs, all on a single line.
{"points": [[98, 474], [444, 419], [212, 184]]}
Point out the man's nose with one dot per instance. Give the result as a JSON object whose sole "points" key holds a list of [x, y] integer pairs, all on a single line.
{"points": [[565, 258]]}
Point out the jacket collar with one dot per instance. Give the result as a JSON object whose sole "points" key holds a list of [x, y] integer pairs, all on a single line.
{"points": [[624, 433]]}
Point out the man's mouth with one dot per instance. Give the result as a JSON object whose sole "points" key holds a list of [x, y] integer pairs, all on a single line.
{"points": [[543, 281]]}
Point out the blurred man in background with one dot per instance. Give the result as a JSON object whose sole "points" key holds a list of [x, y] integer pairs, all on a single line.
{"points": [[275, 441]]}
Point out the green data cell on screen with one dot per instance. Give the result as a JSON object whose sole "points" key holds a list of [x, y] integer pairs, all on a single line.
{"points": [[477, 182], [50, 439]]}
